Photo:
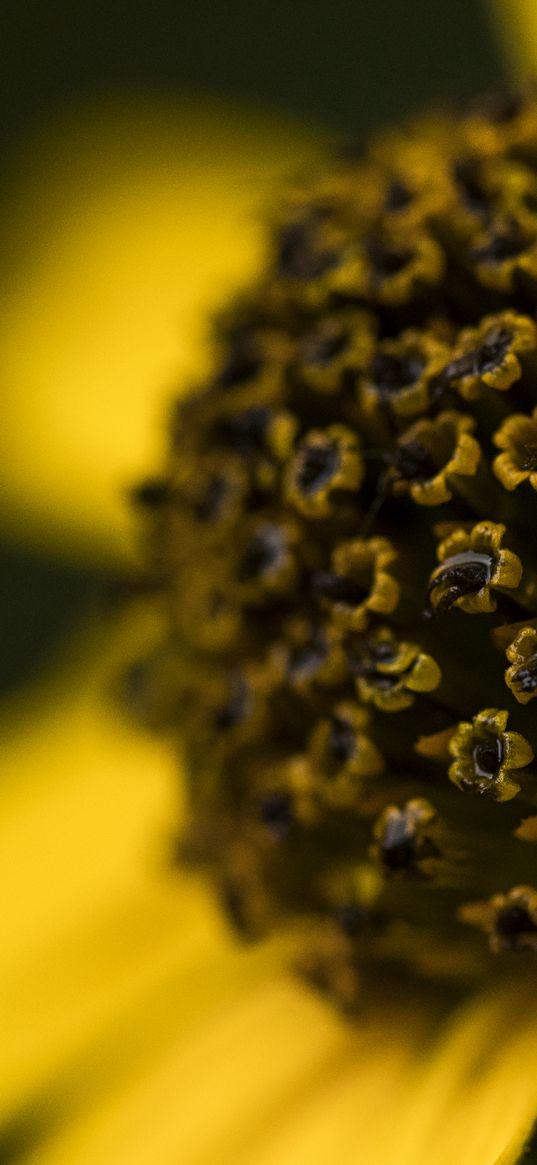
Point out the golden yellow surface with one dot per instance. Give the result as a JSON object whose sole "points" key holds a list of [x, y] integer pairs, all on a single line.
{"points": [[517, 28], [126, 227]]}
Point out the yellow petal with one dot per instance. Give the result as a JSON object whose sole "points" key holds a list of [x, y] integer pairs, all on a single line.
{"points": [[517, 29], [128, 225]]}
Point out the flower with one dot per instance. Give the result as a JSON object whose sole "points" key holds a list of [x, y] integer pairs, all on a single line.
{"points": [[491, 355], [472, 564], [337, 611], [359, 583], [431, 456], [114, 1047], [388, 671], [325, 461], [401, 375], [487, 758], [509, 920], [517, 438], [521, 676]]}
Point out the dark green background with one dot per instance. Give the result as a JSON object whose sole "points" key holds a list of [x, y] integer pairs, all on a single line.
{"points": [[345, 64]]}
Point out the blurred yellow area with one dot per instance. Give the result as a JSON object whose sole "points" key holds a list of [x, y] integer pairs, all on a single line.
{"points": [[126, 226], [517, 26]]}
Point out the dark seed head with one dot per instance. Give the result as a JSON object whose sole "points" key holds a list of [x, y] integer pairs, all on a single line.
{"points": [[318, 711]]}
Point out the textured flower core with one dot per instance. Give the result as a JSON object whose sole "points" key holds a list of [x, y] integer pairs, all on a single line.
{"points": [[346, 540]]}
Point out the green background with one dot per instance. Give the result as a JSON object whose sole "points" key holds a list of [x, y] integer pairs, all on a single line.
{"points": [[349, 65]]}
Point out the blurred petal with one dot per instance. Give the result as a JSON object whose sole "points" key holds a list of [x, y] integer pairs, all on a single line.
{"points": [[136, 1032], [517, 34], [125, 228]]}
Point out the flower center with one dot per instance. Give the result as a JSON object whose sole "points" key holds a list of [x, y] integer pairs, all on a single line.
{"points": [[243, 362], [301, 255], [321, 349], [525, 676], [462, 574], [391, 374], [486, 358], [318, 465], [385, 260], [210, 505], [398, 196], [507, 242], [468, 176], [263, 552], [526, 455], [305, 661], [488, 757], [514, 920], [414, 462], [276, 812], [350, 760], [340, 589], [245, 431], [341, 740], [237, 706]]}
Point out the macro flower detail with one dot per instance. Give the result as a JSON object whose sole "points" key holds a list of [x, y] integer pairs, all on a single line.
{"points": [[267, 560], [473, 564], [492, 355], [509, 920], [359, 584], [403, 837], [389, 672], [310, 656], [503, 255], [325, 461], [209, 499], [487, 759], [517, 438], [388, 269], [402, 376], [334, 351], [432, 455], [521, 676], [351, 426], [129, 980], [340, 750]]}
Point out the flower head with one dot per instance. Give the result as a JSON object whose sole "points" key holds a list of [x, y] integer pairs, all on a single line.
{"points": [[349, 428], [315, 814]]}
